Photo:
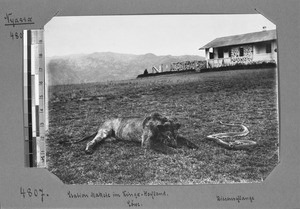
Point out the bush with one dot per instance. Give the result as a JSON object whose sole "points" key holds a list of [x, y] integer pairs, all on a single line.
{"points": [[164, 73], [249, 65]]}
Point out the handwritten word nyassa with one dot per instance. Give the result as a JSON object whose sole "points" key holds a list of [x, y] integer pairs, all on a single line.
{"points": [[235, 199], [13, 21], [33, 193]]}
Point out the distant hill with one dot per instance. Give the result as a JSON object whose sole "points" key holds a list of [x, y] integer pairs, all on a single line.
{"points": [[104, 66]]}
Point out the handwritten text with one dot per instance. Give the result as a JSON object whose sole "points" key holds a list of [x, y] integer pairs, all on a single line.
{"points": [[33, 193], [132, 199], [235, 199], [10, 20]]}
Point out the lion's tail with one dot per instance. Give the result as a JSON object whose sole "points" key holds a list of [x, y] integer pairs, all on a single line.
{"points": [[86, 138]]}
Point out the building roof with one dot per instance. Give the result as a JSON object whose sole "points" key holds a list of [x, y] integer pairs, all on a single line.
{"points": [[242, 39]]}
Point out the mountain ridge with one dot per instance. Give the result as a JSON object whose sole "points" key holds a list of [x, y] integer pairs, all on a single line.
{"points": [[105, 66]]}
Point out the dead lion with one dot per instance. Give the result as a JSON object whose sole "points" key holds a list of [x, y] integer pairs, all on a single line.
{"points": [[154, 128]]}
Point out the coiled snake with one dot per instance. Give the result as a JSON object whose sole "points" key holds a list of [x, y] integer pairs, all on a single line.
{"points": [[237, 144]]}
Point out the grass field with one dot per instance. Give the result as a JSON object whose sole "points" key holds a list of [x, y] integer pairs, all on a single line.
{"points": [[198, 100]]}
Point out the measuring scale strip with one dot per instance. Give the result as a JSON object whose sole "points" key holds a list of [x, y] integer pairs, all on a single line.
{"points": [[27, 99], [41, 97], [34, 98], [38, 41]]}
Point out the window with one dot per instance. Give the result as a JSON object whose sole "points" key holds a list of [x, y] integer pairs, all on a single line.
{"points": [[227, 52], [268, 48], [211, 55], [241, 51], [220, 53], [260, 48]]}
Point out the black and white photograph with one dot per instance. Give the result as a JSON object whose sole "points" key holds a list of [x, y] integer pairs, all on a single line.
{"points": [[162, 99]]}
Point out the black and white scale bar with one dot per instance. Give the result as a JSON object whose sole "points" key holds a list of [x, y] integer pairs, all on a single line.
{"points": [[34, 98], [29, 141]]}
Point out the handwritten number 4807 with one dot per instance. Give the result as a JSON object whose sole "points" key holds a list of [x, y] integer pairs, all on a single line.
{"points": [[16, 35], [33, 193]]}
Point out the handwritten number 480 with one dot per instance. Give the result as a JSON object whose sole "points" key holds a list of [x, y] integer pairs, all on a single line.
{"points": [[16, 35], [33, 193]]}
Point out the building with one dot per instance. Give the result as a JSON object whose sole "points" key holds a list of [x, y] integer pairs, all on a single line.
{"points": [[241, 49]]}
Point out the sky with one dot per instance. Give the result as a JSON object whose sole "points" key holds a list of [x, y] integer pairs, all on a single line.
{"points": [[140, 34]]}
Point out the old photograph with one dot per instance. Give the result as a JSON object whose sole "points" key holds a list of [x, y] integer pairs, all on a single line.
{"points": [[162, 99]]}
